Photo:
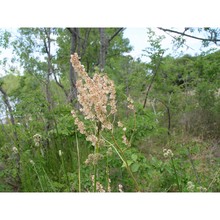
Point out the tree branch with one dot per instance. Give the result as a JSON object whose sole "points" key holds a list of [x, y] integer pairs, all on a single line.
{"points": [[152, 80], [115, 34], [58, 83], [85, 42], [191, 36], [72, 30]]}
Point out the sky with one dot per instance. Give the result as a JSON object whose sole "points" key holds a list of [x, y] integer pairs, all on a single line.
{"points": [[138, 39]]}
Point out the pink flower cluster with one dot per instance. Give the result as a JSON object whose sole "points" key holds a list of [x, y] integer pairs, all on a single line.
{"points": [[96, 95]]}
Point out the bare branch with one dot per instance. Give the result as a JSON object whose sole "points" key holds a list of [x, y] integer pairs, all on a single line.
{"points": [[115, 34], [74, 31], [191, 36]]}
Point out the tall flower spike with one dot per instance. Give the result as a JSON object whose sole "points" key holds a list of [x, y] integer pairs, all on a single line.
{"points": [[96, 95]]}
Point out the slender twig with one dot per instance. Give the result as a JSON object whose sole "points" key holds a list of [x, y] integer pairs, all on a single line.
{"points": [[175, 38], [187, 35], [115, 34]]}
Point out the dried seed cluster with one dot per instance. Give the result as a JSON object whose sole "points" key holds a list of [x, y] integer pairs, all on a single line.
{"points": [[95, 95], [93, 159]]}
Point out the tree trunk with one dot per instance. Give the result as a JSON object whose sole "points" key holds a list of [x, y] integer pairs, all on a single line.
{"points": [[105, 41], [12, 120], [72, 75], [47, 44], [103, 49], [16, 140]]}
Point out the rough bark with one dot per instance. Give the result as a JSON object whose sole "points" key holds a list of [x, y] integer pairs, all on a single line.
{"points": [[85, 42], [72, 74], [105, 41], [103, 49], [47, 45]]}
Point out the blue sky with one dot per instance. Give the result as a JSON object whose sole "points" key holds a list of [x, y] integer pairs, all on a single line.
{"points": [[138, 39]]}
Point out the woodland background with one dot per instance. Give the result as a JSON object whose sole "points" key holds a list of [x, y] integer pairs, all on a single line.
{"points": [[177, 104]]}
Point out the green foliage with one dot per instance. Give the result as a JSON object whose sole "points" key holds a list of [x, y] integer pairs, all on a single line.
{"points": [[183, 99]]}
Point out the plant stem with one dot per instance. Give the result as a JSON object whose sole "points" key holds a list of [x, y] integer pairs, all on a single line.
{"points": [[107, 176], [121, 155], [67, 178], [95, 166], [95, 173], [135, 125], [54, 190], [216, 175], [78, 157], [96, 151], [174, 168], [38, 178]]}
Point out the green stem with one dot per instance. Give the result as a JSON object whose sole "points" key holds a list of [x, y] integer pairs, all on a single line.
{"points": [[107, 176], [78, 157], [67, 178], [95, 173], [96, 151], [135, 125], [95, 167], [122, 157], [215, 177], [38, 178], [174, 168], [54, 190]]}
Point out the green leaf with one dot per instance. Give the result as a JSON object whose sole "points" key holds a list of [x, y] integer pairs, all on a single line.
{"points": [[134, 157], [135, 167], [129, 163]]}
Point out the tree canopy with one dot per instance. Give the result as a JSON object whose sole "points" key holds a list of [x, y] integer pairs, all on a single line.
{"points": [[152, 126]]}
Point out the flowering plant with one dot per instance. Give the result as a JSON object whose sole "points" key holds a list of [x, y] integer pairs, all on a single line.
{"points": [[97, 100]]}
